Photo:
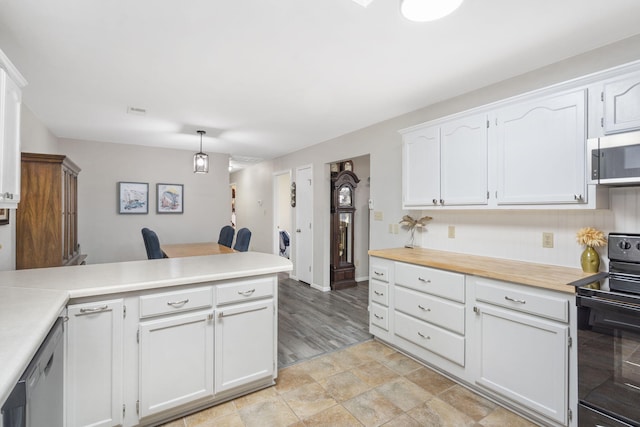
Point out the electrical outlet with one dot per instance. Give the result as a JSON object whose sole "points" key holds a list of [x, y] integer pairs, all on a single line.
{"points": [[547, 240], [390, 228], [452, 232], [378, 216], [395, 228]]}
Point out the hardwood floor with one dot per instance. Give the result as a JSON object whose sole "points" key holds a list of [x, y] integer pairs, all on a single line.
{"points": [[311, 322]]}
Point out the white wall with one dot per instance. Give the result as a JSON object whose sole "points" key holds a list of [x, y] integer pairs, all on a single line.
{"points": [[106, 236], [515, 234]]}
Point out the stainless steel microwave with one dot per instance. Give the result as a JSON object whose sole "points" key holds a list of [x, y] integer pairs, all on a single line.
{"points": [[614, 159]]}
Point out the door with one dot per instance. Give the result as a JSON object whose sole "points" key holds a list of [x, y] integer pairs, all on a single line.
{"points": [[176, 361], [304, 225], [94, 364], [240, 330]]}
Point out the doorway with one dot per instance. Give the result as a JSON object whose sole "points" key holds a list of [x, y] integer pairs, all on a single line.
{"points": [[282, 219]]}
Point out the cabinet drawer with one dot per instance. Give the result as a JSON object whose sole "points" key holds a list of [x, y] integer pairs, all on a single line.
{"points": [[379, 272], [441, 312], [379, 316], [245, 290], [527, 301], [436, 282], [175, 301], [379, 292], [435, 339]]}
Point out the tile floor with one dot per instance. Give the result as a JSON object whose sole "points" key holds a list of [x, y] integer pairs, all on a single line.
{"points": [[368, 384]]}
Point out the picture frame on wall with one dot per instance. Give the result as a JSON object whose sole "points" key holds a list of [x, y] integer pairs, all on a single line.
{"points": [[170, 198], [4, 216], [133, 197]]}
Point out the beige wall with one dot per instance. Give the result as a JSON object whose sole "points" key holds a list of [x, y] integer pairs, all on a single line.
{"points": [[485, 232], [107, 236]]}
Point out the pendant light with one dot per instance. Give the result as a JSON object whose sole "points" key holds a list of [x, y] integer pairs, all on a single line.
{"points": [[427, 10], [200, 159]]}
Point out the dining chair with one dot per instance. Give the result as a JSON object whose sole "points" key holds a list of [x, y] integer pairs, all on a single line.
{"points": [[226, 236], [242, 240], [152, 244]]}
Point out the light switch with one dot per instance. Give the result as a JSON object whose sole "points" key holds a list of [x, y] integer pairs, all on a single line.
{"points": [[378, 216]]}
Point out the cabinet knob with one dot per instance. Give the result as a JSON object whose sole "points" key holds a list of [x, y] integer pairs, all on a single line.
{"points": [[435, 201], [442, 201], [577, 197]]}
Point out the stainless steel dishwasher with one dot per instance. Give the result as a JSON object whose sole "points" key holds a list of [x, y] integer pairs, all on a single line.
{"points": [[37, 398]]}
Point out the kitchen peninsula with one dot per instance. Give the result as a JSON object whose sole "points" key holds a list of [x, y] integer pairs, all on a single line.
{"points": [[144, 323]]}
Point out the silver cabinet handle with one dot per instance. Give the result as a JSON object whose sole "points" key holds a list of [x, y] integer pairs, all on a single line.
{"points": [[426, 337], [378, 293], [178, 303], [424, 280], [378, 317], [377, 273], [246, 293], [519, 301], [423, 308], [94, 309]]}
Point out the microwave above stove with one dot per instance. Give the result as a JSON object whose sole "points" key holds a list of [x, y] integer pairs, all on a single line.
{"points": [[614, 159]]}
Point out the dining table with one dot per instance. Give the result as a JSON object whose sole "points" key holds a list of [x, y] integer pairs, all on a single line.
{"points": [[178, 250]]}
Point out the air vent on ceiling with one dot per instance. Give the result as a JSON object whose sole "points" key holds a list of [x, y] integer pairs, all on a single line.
{"points": [[136, 110]]}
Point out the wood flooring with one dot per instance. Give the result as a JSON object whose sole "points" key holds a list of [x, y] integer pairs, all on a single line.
{"points": [[312, 322]]}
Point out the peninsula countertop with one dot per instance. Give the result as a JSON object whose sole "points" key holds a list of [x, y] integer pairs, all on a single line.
{"points": [[33, 299], [563, 279]]}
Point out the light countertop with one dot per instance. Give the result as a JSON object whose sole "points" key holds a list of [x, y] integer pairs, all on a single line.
{"points": [[563, 279], [33, 299]]}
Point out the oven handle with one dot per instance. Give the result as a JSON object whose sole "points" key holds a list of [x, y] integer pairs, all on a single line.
{"points": [[612, 313]]}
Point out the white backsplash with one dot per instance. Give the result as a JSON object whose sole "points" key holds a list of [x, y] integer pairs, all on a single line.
{"points": [[517, 235]]}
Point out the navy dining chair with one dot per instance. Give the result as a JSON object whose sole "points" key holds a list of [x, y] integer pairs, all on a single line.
{"points": [[242, 240], [152, 244], [226, 236]]}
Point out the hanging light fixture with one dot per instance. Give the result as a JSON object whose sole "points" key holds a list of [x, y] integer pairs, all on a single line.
{"points": [[427, 10], [200, 159]]}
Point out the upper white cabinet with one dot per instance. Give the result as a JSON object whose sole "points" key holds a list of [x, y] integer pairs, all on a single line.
{"points": [[446, 165], [541, 151], [10, 100], [621, 99]]}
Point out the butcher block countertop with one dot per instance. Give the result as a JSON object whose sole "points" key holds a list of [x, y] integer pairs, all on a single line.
{"points": [[563, 279]]}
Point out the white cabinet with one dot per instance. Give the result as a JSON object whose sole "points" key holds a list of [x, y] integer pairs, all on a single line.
{"points": [[621, 99], [10, 100], [541, 149], [380, 299], [446, 164], [522, 354], [176, 361], [94, 364], [245, 335]]}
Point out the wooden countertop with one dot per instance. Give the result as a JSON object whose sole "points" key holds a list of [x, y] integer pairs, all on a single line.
{"points": [[563, 279]]}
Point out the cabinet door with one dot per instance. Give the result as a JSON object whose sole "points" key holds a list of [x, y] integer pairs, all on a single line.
{"points": [[176, 361], [525, 359], [421, 168], [10, 99], [245, 336], [94, 364], [622, 104], [541, 151], [463, 161]]}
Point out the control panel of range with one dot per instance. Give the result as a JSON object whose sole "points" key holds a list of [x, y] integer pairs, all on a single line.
{"points": [[624, 247]]}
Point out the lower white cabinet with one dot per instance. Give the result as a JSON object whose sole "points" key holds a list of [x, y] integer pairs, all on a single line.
{"points": [[244, 344], [93, 371], [176, 361]]}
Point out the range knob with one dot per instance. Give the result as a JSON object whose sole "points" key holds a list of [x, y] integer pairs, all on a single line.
{"points": [[624, 245]]}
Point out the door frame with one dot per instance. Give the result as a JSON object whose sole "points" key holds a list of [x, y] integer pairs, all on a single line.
{"points": [[276, 212]]}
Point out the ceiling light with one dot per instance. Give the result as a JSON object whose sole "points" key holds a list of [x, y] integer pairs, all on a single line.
{"points": [[200, 160], [427, 10]]}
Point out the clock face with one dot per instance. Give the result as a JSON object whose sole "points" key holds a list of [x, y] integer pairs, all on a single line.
{"points": [[344, 196]]}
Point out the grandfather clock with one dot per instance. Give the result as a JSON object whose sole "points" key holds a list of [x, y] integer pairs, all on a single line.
{"points": [[343, 271]]}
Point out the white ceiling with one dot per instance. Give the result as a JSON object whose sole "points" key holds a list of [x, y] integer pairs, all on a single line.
{"points": [[268, 77]]}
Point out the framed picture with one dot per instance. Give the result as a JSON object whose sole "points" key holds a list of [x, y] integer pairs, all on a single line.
{"points": [[4, 216], [170, 198], [133, 197]]}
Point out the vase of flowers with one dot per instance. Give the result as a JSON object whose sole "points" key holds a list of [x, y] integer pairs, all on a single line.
{"points": [[409, 222], [591, 238]]}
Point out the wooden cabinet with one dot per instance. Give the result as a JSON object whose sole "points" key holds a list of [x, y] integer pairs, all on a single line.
{"points": [[542, 151], [245, 332], [446, 164], [94, 362], [522, 347], [47, 218], [621, 99], [10, 101]]}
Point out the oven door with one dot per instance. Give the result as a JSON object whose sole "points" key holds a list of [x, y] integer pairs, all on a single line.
{"points": [[608, 361]]}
